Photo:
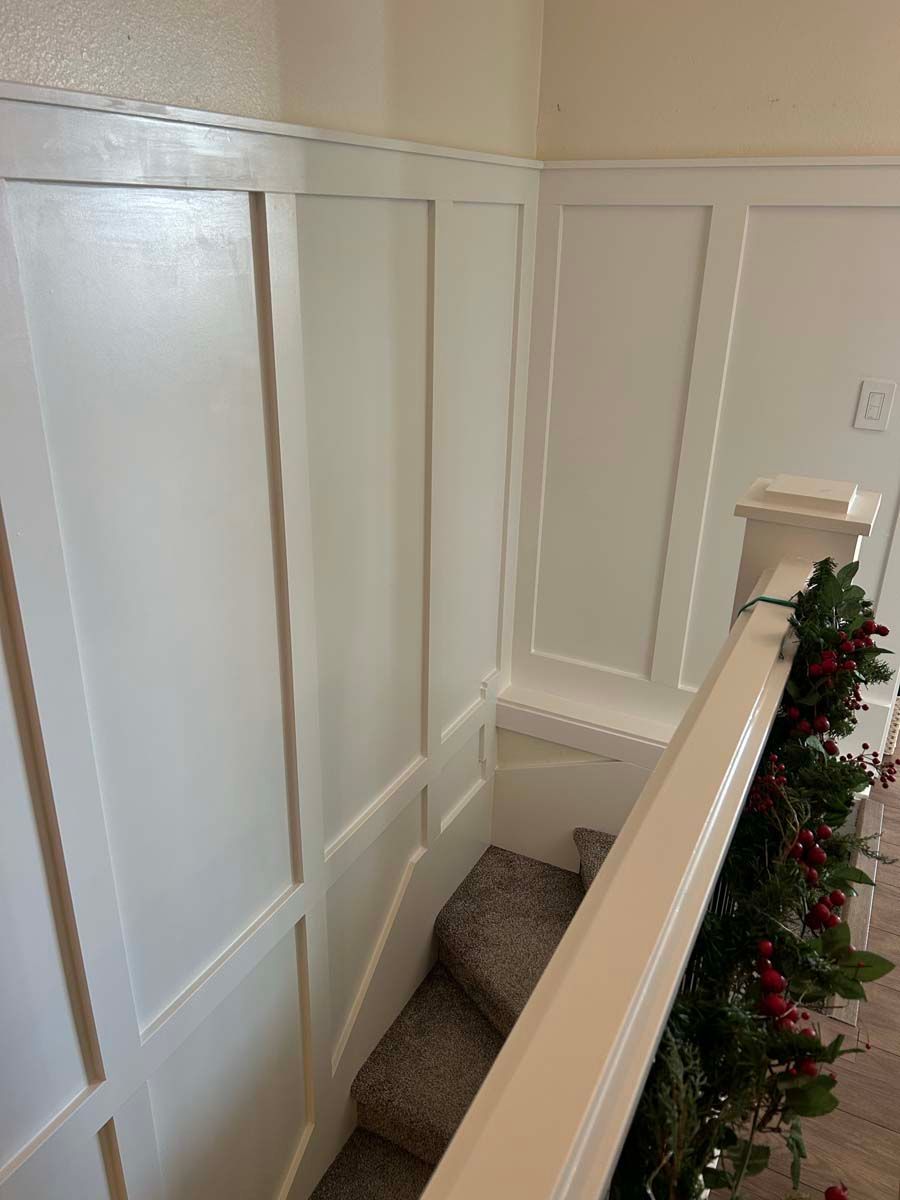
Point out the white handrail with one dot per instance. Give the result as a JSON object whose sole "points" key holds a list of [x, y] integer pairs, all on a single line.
{"points": [[550, 1119]]}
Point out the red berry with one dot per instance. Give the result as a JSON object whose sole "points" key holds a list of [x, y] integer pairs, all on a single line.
{"points": [[821, 912], [796, 851], [821, 724], [811, 1033], [882, 630], [816, 669], [831, 747], [808, 1067], [826, 900], [804, 727], [831, 920], [786, 1023], [816, 856], [846, 647], [772, 980], [848, 664], [812, 876], [837, 898], [869, 627], [824, 832], [765, 949], [837, 1192], [806, 837], [792, 1071], [793, 714], [773, 1005]]}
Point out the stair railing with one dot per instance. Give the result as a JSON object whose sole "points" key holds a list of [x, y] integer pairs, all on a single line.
{"points": [[550, 1119]]}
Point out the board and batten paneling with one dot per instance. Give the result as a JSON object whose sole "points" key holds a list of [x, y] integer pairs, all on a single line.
{"points": [[616, 409], [168, 552], [365, 313], [696, 325], [250, 370]]}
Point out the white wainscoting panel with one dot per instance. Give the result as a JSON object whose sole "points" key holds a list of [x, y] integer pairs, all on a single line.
{"points": [[696, 325], [462, 775], [168, 552], [471, 423], [364, 302], [260, 462], [39, 1042], [817, 310], [360, 907], [616, 404], [228, 1104]]}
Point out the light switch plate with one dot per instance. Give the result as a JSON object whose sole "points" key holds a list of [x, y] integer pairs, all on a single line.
{"points": [[876, 398]]}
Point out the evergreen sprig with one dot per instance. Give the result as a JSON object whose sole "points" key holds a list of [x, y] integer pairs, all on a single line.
{"points": [[742, 1062]]}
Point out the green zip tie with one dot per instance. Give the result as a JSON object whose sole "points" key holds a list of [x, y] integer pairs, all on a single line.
{"points": [[769, 600], [766, 600]]}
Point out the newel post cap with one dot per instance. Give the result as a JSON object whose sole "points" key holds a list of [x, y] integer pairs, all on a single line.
{"points": [[827, 504]]}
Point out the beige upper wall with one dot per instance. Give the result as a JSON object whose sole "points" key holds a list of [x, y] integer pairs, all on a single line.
{"points": [[656, 78], [463, 73]]}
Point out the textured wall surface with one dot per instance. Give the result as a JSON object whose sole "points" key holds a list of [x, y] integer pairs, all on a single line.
{"points": [[462, 74], [649, 78]]}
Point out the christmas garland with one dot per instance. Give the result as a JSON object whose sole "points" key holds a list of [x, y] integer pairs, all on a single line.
{"points": [[742, 1061]]}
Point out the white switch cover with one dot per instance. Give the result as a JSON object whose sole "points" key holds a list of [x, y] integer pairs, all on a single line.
{"points": [[876, 396]]}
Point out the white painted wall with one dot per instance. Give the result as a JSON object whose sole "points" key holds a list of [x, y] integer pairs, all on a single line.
{"points": [[461, 74], [644, 79], [695, 327], [260, 454]]}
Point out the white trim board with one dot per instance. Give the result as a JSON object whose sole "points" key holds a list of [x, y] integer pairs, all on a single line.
{"points": [[63, 98]]}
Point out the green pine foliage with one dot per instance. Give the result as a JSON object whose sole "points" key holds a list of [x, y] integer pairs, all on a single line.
{"points": [[743, 1062]]}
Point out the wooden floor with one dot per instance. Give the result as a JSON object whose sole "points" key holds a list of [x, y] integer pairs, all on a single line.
{"points": [[859, 1143]]}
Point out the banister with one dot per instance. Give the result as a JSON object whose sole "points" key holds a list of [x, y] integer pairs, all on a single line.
{"points": [[550, 1119]]}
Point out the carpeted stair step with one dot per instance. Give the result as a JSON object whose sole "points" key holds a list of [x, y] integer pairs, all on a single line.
{"points": [[369, 1168], [500, 927], [415, 1087], [593, 847]]}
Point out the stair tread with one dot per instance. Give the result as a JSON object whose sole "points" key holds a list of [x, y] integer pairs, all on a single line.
{"points": [[593, 847], [420, 1079], [499, 929], [370, 1168]]}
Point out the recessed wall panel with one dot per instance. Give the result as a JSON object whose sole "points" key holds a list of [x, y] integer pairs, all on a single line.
{"points": [[816, 314], [229, 1105], [364, 270], [471, 425], [459, 776], [628, 294], [142, 314], [39, 1048], [359, 906]]}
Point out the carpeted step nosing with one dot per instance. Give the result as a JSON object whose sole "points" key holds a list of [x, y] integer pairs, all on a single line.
{"points": [[499, 929], [495, 936], [593, 847], [417, 1085], [370, 1168]]}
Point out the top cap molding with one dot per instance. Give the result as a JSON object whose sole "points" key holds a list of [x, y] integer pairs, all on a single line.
{"points": [[831, 504]]}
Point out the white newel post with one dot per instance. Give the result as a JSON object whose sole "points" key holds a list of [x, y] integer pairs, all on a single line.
{"points": [[793, 516]]}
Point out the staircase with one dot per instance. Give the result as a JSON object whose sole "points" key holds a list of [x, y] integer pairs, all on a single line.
{"points": [[495, 936]]}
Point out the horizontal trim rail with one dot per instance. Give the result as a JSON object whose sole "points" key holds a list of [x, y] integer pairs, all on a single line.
{"points": [[550, 1119]]}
